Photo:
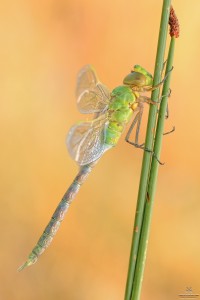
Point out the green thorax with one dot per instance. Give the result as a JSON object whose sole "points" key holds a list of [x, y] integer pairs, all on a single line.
{"points": [[120, 113]]}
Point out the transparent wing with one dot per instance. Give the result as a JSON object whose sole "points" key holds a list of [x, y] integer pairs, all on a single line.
{"points": [[92, 95], [85, 141]]}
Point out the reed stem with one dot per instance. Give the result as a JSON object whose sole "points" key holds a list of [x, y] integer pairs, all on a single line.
{"points": [[142, 249], [147, 157]]}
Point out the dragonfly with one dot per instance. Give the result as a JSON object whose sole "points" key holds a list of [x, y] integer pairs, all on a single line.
{"points": [[88, 140]]}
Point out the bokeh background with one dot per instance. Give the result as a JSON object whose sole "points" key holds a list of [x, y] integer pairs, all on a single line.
{"points": [[43, 45]]}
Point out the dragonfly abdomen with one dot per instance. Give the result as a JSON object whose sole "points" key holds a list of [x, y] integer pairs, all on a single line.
{"points": [[59, 214]]}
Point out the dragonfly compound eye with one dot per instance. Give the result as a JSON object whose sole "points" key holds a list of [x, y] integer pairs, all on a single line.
{"points": [[135, 79]]}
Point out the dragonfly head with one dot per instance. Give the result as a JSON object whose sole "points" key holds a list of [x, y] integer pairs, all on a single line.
{"points": [[138, 77]]}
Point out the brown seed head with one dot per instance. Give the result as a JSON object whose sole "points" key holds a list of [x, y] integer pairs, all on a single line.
{"points": [[173, 23]]}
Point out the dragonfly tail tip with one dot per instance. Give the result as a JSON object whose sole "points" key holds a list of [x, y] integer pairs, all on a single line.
{"points": [[25, 265]]}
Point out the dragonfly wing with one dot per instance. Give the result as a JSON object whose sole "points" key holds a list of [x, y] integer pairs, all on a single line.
{"points": [[85, 141], [92, 95]]}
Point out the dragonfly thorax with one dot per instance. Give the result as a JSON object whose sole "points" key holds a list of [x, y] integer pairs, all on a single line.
{"points": [[121, 97], [120, 111]]}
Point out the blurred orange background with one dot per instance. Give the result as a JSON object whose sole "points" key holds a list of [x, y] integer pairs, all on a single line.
{"points": [[43, 46]]}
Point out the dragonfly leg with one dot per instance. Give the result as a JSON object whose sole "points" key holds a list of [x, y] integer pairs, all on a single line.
{"points": [[138, 126], [148, 100], [152, 88], [167, 109], [141, 146], [170, 131], [164, 64], [137, 121], [167, 112], [154, 155], [167, 115]]}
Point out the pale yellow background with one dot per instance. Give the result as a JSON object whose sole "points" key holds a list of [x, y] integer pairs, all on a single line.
{"points": [[43, 45]]}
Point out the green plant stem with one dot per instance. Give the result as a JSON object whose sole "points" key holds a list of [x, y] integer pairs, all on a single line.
{"points": [[139, 270], [148, 144]]}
